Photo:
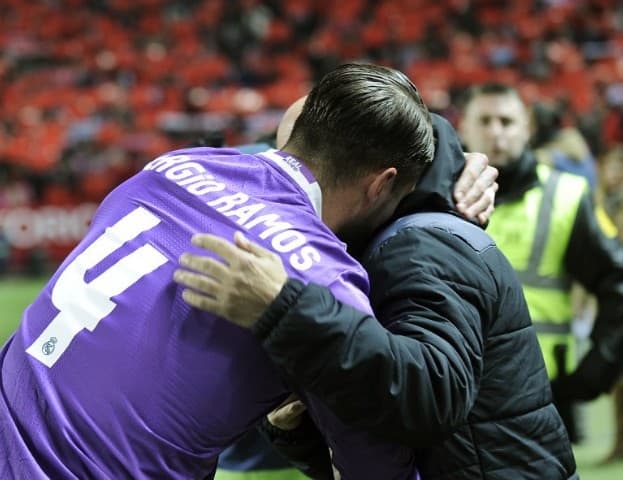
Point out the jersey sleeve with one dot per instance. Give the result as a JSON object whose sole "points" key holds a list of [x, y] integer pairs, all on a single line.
{"points": [[350, 289]]}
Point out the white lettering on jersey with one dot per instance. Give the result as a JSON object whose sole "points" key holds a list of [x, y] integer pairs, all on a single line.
{"points": [[227, 202], [162, 163], [245, 213], [196, 180]]}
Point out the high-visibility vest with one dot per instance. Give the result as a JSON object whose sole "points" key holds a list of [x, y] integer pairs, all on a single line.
{"points": [[534, 233]]}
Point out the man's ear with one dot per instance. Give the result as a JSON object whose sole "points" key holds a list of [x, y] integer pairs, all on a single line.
{"points": [[381, 184]]}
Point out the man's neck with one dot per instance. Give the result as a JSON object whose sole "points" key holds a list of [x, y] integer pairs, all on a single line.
{"points": [[339, 204]]}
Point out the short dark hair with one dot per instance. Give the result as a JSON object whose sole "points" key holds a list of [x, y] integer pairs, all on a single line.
{"points": [[360, 118], [489, 88], [547, 123]]}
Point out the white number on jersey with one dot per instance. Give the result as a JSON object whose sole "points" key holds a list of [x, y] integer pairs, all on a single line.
{"points": [[82, 305]]}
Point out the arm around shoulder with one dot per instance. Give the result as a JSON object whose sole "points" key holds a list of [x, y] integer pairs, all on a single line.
{"points": [[410, 381]]}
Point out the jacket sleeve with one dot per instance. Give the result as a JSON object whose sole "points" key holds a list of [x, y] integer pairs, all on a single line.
{"points": [[304, 447], [411, 382], [596, 261]]}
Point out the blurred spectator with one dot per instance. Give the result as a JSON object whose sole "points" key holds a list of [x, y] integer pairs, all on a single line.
{"points": [[547, 225], [561, 147], [15, 188], [611, 182]]}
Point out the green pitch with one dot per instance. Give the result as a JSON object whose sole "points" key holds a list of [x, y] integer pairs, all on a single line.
{"points": [[17, 293]]}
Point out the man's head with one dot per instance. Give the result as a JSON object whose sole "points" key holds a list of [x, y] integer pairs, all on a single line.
{"points": [[364, 128], [494, 121]]}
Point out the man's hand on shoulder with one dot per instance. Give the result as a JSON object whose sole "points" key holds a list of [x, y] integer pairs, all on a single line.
{"points": [[474, 191], [238, 289]]}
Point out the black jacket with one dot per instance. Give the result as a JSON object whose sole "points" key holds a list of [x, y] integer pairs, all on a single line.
{"points": [[451, 367], [596, 262]]}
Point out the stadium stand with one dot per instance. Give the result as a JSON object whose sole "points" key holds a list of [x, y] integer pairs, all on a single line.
{"points": [[92, 89]]}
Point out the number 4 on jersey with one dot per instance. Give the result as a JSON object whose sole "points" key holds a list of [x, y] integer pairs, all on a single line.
{"points": [[82, 305]]}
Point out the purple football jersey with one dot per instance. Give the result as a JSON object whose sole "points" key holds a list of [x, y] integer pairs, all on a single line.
{"points": [[110, 374]]}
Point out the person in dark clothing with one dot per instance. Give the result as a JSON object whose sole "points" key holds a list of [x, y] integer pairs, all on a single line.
{"points": [[252, 456], [451, 369], [561, 147], [548, 226]]}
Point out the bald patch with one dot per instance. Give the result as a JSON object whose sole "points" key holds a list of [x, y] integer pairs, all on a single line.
{"points": [[287, 122]]}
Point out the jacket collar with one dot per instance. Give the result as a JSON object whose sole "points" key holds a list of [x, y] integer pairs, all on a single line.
{"points": [[434, 191], [517, 178]]}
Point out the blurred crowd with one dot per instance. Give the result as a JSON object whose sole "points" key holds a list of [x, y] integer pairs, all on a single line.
{"points": [[92, 89]]}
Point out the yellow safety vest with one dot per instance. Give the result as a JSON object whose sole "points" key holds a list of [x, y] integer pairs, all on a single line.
{"points": [[534, 233]]}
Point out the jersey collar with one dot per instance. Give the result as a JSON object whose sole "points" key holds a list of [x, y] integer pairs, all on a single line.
{"points": [[299, 173]]}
